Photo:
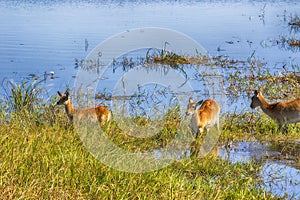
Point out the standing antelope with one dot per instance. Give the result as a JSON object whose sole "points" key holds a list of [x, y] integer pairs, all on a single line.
{"points": [[281, 112], [100, 113], [204, 117]]}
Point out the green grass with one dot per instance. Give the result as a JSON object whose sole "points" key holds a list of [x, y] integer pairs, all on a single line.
{"points": [[43, 158], [256, 127], [50, 162]]}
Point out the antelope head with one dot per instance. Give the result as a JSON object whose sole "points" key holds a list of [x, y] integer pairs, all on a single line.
{"points": [[255, 100], [64, 98], [192, 106]]}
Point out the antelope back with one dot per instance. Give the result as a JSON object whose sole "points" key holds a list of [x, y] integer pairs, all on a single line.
{"points": [[209, 111], [98, 113]]}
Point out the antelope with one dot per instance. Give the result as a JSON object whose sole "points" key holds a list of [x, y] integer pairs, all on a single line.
{"points": [[100, 113], [204, 117], [281, 112]]}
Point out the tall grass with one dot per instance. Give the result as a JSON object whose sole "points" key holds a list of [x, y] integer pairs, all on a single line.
{"points": [[47, 160], [42, 157], [44, 162], [22, 97]]}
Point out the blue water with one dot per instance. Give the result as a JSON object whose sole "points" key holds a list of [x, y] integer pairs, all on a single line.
{"points": [[44, 36], [281, 177]]}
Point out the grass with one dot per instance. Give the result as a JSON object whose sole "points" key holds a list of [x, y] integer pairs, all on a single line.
{"points": [[50, 162], [43, 158], [257, 127], [166, 57]]}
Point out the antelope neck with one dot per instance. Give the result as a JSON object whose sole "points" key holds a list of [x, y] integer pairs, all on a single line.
{"points": [[196, 114], [69, 108], [264, 104]]}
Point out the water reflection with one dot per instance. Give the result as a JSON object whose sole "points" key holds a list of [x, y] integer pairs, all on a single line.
{"points": [[61, 31], [280, 175], [281, 180]]}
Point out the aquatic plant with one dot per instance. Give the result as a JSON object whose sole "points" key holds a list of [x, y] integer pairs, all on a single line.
{"points": [[23, 96], [294, 42]]}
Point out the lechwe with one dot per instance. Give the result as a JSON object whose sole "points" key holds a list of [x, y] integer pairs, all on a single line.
{"points": [[281, 112], [100, 113], [204, 117]]}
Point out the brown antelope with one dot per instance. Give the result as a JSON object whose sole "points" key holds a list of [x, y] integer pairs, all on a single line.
{"points": [[281, 112], [100, 113], [204, 117]]}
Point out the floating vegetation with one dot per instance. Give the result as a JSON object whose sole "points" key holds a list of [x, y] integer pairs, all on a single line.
{"points": [[283, 42], [294, 23], [277, 86], [155, 58], [288, 151], [166, 57], [243, 76], [294, 42]]}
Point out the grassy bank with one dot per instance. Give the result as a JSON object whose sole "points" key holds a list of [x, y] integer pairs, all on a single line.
{"points": [[42, 157], [48, 161]]}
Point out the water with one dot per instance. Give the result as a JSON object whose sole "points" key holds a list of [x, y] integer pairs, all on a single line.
{"points": [[279, 171], [39, 37], [43, 36]]}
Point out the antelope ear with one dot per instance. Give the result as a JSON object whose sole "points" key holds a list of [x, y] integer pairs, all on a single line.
{"points": [[191, 100], [67, 93], [199, 102], [59, 93]]}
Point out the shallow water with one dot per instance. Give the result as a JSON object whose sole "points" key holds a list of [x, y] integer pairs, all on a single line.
{"points": [[280, 175], [43, 36], [39, 37], [280, 170]]}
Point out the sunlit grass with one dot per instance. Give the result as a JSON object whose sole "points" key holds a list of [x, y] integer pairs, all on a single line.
{"points": [[51, 162], [42, 156], [256, 127]]}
